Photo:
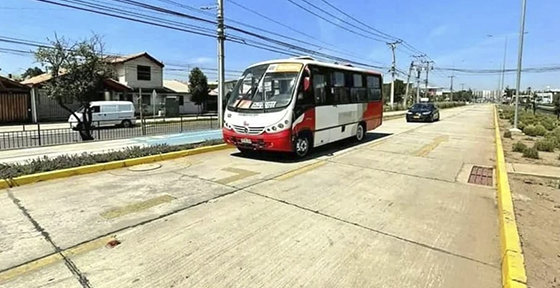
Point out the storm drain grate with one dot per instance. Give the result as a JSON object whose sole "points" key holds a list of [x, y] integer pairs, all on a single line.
{"points": [[481, 176]]}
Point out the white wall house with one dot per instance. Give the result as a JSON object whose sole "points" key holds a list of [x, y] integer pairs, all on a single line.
{"points": [[143, 72], [183, 94]]}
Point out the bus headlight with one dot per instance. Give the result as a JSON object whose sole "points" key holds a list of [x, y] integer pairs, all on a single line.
{"points": [[227, 126], [281, 126]]}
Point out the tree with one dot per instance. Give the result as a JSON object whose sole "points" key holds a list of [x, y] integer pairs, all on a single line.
{"points": [[198, 85], [32, 72], [509, 92], [78, 71], [400, 89]]}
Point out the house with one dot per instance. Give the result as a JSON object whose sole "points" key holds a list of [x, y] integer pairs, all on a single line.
{"points": [[182, 94], [15, 102], [44, 108], [143, 74]]}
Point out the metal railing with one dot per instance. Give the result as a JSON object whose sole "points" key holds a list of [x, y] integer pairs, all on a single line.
{"points": [[36, 135]]}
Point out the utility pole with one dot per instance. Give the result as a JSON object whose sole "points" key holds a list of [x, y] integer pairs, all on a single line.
{"points": [[408, 83], [427, 73], [462, 86], [419, 71], [451, 87], [393, 46], [221, 64], [519, 63]]}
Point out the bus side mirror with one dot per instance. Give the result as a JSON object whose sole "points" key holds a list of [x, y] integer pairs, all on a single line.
{"points": [[306, 84]]}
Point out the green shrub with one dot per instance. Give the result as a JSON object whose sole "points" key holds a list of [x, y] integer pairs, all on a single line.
{"points": [[545, 145], [44, 164], [548, 124], [530, 130], [531, 153], [540, 130], [519, 147], [520, 126], [507, 134]]}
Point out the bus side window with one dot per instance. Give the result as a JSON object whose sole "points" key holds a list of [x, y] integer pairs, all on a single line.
{"points": [[319, 83], [374, 88], [340, 89]]}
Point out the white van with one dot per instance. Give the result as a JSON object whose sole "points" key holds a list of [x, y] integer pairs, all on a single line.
{"points": [[108, 113]]}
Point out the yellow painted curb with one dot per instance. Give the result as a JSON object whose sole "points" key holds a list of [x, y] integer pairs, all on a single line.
{"points": [[33, 178], [513, 267]]}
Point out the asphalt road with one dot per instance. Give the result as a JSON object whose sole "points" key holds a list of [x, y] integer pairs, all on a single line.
{"points": [[396, 211], [30, 138]]}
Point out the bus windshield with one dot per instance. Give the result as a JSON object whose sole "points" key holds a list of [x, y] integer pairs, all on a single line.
{"points": [[277, 81]]}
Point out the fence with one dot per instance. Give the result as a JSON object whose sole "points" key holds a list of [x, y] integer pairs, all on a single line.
{"points": [[44, 137]]}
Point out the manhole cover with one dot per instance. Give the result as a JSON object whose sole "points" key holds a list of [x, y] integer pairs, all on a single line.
{"points": [[144, 167], [481, 176]]}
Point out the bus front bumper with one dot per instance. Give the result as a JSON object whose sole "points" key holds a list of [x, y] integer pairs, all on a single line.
{"points": [[281, 141]]}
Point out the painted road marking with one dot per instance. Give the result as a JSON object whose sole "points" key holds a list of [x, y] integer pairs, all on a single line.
{"points": [[426, 149], [240, 174], [54, 258], [136, 207], [301, 170]]}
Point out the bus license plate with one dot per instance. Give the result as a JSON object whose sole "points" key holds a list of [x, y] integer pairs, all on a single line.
{"points": [[416, 117], [245, 141]]}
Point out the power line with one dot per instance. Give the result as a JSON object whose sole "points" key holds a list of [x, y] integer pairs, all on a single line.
{"points": [[239, 40], [333, 23]]}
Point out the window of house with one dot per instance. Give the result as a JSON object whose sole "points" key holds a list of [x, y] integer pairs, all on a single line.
{"points": [[374, 88], [181, 100], [143, 73]]}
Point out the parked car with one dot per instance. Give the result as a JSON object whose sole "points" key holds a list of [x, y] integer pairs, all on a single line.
{"points": [[107, 113], [423, 112]]}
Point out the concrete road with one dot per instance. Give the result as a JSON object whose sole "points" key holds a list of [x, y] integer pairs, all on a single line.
{"points": [[396, 211]]}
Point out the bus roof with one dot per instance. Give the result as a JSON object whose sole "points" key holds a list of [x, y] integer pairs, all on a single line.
{"points": [[308, 60]]}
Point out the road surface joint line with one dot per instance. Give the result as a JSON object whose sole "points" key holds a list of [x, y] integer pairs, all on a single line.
{"points": [[373, 230], [82, 279], [137, 207], [513, 266], [24, 268]]}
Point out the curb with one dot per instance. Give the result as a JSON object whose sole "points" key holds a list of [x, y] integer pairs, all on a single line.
{"points": [[513, 267], [63, 173]]}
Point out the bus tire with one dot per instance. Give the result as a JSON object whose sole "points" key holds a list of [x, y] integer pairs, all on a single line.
{"points": [[360, 132], [302, 145]]}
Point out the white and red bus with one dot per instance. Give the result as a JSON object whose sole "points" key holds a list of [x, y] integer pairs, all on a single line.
{"points": [[297, 104]]}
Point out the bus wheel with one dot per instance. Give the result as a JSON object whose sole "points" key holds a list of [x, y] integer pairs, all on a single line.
{"points": [[360, 132], [302, 146]]}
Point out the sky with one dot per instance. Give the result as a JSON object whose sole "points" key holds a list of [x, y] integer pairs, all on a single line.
{"points": [[452, 33]]}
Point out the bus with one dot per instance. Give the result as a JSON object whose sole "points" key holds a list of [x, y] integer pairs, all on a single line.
{"points": [[297, 104]]}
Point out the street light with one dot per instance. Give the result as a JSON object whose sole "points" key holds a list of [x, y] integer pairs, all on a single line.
{"points": [[519, 63], [502, 77]]}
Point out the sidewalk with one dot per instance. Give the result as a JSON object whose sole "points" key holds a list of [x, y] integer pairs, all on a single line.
{"points": [[63, 125], [534, 170], [22, 155]]}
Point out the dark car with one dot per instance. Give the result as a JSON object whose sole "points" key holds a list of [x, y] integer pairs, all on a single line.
{"points": [[422, 112]]}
